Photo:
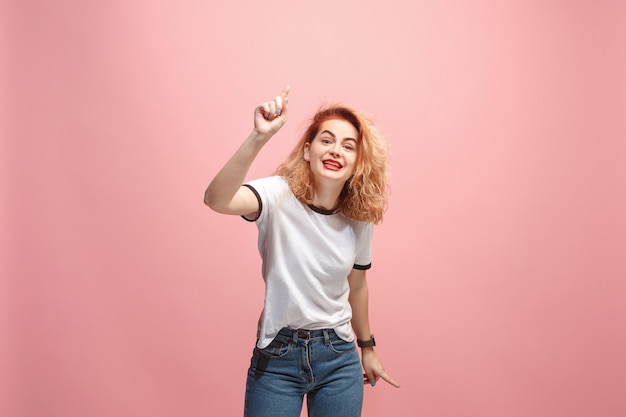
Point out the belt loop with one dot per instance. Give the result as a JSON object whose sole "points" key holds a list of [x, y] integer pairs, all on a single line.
{"points": [[326, 338], [295, 336]]}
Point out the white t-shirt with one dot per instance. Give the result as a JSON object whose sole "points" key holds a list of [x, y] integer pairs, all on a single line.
{"points": [[307, 255]]}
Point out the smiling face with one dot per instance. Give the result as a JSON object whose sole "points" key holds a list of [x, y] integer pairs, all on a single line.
{"points": [[333, 151]]}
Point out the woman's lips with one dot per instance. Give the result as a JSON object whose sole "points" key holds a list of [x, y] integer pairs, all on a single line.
{"points": [[332, 164]]}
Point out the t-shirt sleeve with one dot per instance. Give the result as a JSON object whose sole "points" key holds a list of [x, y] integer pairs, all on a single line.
{"points": [[363, 258], [256, 215], [265, 190]]}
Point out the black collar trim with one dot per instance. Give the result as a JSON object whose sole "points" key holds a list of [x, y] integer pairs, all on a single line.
{"points": [[322, 211]]}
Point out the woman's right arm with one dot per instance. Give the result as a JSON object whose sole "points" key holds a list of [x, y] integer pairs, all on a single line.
{"points": [[225, 193]]}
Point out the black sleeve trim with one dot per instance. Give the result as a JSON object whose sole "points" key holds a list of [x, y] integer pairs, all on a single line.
{"points": [[258, 198], [362, 267]]}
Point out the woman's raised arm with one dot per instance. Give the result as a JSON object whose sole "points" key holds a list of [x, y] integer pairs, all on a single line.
{"points": [[225, 193]]}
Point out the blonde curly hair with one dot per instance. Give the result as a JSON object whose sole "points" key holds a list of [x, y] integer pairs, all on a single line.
{"points": [[364, 195]]}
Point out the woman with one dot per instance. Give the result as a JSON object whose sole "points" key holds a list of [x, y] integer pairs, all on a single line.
{"points": [[315, 219]]}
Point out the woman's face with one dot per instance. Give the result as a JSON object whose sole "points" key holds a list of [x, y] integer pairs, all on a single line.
{"points": [[332, 152]]}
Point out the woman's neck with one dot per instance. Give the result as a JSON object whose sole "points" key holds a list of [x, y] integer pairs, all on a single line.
{"points": [[327, 198]]}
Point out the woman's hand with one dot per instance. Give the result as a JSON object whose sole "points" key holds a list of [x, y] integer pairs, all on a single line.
{"points": [[270, 116], [374, 369]]}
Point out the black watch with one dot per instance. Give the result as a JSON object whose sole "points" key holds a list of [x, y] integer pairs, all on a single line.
{"points": [[366, 343]]}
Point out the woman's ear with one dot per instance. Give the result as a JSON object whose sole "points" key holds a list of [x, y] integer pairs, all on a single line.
{"points": [[307, 146]]}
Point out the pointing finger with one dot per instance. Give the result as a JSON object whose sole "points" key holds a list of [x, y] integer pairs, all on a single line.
{"points": [[389, 380], [286, 91]]}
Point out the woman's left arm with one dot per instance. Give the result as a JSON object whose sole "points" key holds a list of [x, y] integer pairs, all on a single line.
{"points": [[360, 324]]}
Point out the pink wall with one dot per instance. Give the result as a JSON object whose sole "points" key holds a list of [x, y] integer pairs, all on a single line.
{"points": [[498, 283]]}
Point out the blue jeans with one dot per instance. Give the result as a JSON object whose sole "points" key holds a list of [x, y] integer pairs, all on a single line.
{"points": [[315, 363]]}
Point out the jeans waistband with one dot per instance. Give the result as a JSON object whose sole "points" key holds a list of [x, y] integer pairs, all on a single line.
{"points": [[296, 334]]}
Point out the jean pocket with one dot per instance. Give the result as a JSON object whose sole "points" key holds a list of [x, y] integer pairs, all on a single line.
{"points": [[276, 349], [339, 345]]}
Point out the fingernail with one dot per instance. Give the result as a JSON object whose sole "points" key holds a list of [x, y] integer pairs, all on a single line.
{"points": [[278, 112], [287, 100], [373, 383]]}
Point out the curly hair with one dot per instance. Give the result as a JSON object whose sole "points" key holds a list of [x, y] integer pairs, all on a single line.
{"points": [[364, 195]]}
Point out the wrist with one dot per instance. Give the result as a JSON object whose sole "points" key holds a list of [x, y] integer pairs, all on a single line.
{"points": [[262, 137], [365, 352]]}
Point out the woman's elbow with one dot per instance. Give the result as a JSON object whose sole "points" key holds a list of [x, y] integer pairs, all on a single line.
{"points": [[216, 204], [210, 201]]}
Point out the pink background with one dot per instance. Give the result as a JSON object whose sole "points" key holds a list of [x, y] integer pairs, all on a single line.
{"points": [[498, 286]]}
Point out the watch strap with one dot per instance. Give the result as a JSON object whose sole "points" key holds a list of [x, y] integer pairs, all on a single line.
{"points": [[366, 343]]}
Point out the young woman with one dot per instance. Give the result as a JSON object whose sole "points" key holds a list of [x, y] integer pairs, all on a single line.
{"points": [[315, 219]]}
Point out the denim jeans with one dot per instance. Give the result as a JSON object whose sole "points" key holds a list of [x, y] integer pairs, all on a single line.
{"points": [[315, 363]]}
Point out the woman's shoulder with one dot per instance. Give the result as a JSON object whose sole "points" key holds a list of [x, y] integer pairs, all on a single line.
{"points": [[271, 181], [362, 227], [272, 185]]}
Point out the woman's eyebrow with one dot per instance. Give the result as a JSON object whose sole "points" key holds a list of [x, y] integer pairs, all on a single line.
{"points": [[335, 136]]}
